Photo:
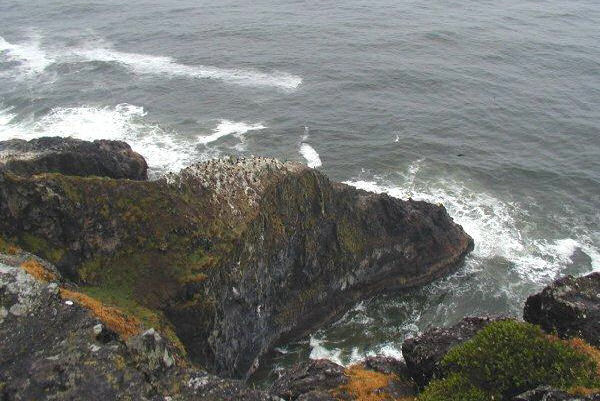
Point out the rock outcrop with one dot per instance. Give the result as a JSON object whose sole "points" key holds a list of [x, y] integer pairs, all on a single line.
{"points": [[424, 353], [310, 380], [102, 158], [230, 256], [570, 307], [322, 380], [52, 348]]}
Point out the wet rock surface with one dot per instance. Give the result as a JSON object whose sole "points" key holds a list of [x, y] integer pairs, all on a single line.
{"points": [[240, 254], [102, 158], [424, 353], [570, 307]]}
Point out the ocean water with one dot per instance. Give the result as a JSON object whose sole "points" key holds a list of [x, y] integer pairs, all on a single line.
{"points": [[491, 108]]}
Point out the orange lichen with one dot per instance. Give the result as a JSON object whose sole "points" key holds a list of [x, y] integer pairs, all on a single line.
{"points": [[8, 248], [365, 385], [585, 348], [122, 324], [592, 352], [37, 270], [583, 391]]}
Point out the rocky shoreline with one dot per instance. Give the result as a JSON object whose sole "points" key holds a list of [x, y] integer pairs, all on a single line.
{"points": [[116, 287]]}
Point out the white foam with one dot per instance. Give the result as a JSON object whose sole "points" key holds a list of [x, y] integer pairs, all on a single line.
{"points": [[31, 58], [310, 154], [162, 65], [122, 122], [6, 116], [318, 351], [164, 150], [227, 127], [390, 350], [339, 356], [492, 224]]}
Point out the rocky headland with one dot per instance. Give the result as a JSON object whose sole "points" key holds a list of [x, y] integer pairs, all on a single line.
{"points": [[116, 287]]}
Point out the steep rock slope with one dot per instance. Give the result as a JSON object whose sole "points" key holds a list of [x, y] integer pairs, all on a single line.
{"points": [[234, 255], [53, 348]]}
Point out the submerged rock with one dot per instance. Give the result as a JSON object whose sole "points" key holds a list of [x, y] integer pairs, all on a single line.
{"points": [[424, 353], [570, 307], [234, 255], [102, 158]]}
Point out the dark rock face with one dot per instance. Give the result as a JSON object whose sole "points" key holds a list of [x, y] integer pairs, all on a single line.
{"points": [[237, 255], [55, 350], [549, 394], [70, 156], [310, 379], [569, 306], [424, 353], [325, 380]]}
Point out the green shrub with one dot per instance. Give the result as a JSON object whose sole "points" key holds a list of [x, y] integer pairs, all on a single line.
{"points": [[454, 388], [507, 358]]}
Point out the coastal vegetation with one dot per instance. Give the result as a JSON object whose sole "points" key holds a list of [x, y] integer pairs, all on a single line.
{"points": [[507, 358]]}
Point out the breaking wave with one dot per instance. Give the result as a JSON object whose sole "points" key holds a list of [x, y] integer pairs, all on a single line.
{"points": [[31, 59], [493, 225], [164, 150], [313, 160]]}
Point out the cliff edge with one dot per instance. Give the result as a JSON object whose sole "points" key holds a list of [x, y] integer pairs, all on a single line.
{"points": [[228, 257]]}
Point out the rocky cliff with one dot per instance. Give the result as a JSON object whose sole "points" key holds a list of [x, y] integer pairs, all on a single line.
{"points": [[230, 257], [56, 344], [154, 283]]}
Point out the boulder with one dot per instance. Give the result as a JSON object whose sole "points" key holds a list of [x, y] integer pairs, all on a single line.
{"points": [[569, 307], [381, 377], [424, 353], [312, 380], [69, 156], [235, 255]]}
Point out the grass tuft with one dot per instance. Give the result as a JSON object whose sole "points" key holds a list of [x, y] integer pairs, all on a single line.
{"points": [[119, 322], [365, 385]]}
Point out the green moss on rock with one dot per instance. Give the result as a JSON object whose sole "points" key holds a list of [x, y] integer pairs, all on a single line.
{"points": [[42, 247], [507, 358], [455, 387], [8, 247]]}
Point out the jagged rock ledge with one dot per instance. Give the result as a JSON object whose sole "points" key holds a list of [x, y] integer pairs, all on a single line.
{"points": [[229, 257]]}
